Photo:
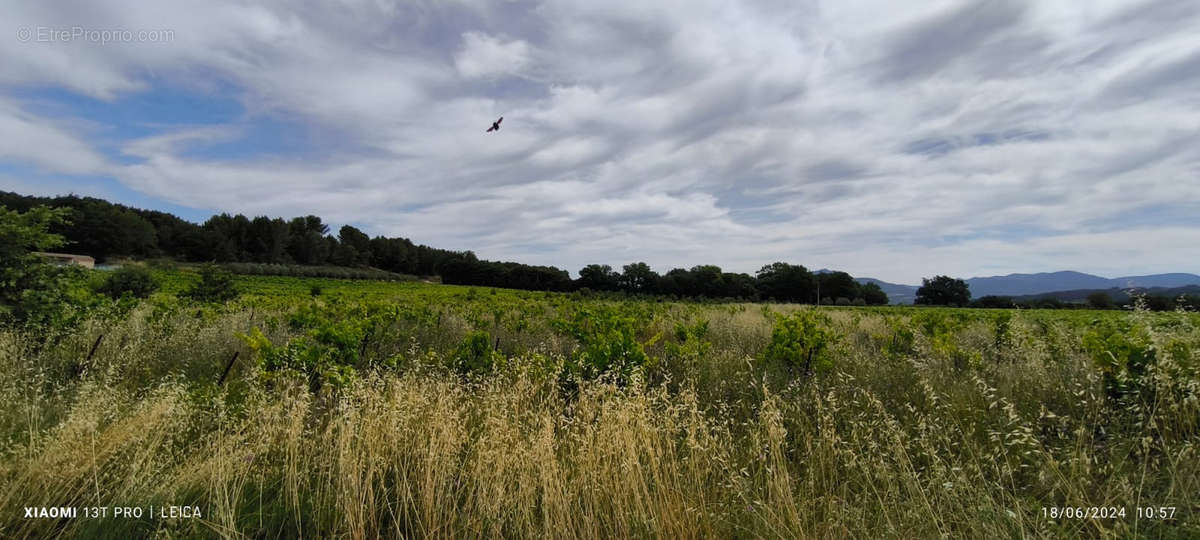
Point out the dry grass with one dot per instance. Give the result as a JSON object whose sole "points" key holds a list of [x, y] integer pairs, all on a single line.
{"points": [[891, 447]]}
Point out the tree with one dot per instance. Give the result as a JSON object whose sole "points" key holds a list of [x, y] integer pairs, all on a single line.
{"points": [[638, 278], [33, 291], [785, 282], [233, 237], [707, 280], [269, 240], [393, 254], [675, 282], [1158, 302], [738, 286], [1099, 300], [838, 285], [597, 277], [102, 230], [994, 302], [132, 280], [361, 244], [306, 240], [344, 255], [215, 285], [176, 238], [873, 295], [943, 291]]}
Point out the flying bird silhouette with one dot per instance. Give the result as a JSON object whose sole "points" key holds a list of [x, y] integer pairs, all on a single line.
{"points": [[495, 125]]}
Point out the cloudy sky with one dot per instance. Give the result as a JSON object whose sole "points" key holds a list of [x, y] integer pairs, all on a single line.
{"points": [[887, 139]]}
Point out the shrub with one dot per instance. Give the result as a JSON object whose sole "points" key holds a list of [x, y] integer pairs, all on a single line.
{"points": [[475, 355], [162, 263], [317, 357], [215, 285], [690, 343], [901, 343], [336, 343], [134, 281], [1123, 352], [942, 329], [1099, 300], [32, 291], [607, 340], [994, 302], [802, 339]]}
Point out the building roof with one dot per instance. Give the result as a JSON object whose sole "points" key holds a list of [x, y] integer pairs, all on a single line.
{"points": [[70, 256]]}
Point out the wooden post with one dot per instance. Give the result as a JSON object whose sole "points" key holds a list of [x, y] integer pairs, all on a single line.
{"points": [[83, 365], [95, 346], [228, 367]]}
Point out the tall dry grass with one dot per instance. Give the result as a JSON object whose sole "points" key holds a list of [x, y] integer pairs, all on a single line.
{"points": [[885, 446]]}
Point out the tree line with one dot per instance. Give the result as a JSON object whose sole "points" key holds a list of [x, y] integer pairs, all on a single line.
{"points": [[780, 281], [1095, 300], [106, 230]]}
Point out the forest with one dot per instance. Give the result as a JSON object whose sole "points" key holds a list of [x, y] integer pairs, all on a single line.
{"points": [[107, 231], [305, 246]]}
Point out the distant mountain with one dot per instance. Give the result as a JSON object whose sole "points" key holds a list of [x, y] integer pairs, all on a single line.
{"points": [[1022, 284], [1046, 282], [1066, 285], [897, 293], [1117, 294], [1158, 280]]}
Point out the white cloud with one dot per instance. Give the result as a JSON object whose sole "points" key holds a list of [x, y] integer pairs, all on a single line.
{"points": [[36, 141], [892, 141], [484, 56]]}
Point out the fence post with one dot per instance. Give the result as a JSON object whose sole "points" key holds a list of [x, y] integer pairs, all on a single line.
{"points": [[83, 365], [228, 367]]}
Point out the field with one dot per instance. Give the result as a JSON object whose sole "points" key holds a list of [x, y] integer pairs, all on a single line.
{"points": [[362, 409]]}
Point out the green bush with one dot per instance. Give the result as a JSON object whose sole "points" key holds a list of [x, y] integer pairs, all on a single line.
{"points": [[337, 342], [608, 342], [1123, 352], [215, 285], [320, 357], [902, 341], [690, 345], [475, 355], [801, 340], [34, 293], [134, 281]]}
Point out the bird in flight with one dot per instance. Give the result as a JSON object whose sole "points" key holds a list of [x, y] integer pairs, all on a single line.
{"points": [[495, 125]]}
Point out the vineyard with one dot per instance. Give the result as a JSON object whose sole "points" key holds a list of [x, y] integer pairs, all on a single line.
{"points": [[324, 408]]}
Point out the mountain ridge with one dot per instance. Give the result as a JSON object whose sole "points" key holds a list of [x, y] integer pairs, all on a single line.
{"points": [[1066, 280], [1041, 283]]}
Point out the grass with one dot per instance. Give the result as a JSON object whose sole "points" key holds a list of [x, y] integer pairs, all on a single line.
{"points": [[931, 423]]}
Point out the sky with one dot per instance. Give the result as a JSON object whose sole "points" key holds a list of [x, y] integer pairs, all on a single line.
{"points": [[895, 140]]}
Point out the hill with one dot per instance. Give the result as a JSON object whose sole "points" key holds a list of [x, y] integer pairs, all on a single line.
{"points": [[1049, 282], [1117, 294]]}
